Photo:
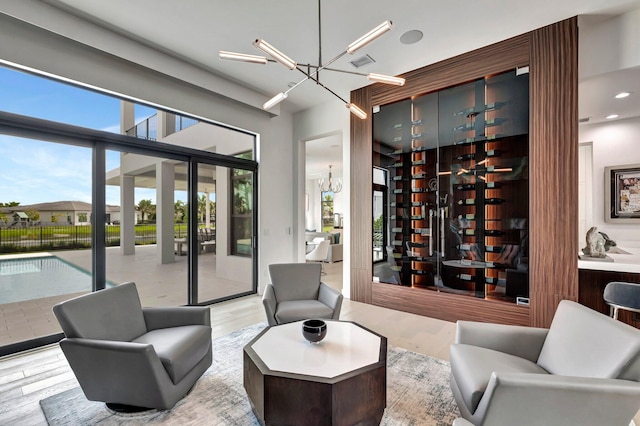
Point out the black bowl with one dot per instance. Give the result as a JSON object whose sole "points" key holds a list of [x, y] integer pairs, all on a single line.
{"points": [[314, 330]]}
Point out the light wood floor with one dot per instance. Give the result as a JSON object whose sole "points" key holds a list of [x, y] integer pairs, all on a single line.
{"points": [[28, 377]]}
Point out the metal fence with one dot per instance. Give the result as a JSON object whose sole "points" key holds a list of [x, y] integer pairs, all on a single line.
{"points": [[66, 237]]}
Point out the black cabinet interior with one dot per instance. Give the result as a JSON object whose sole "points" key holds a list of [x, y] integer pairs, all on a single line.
{"points": [[453, 168]]}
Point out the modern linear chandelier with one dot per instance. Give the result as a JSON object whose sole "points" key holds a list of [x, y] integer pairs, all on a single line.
{"points": [[312, 72]]}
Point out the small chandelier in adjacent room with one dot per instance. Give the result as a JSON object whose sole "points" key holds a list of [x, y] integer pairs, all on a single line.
{"points": [[332, 186], [312, 72]]}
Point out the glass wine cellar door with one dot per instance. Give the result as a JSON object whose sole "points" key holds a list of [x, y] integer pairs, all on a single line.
{"points": [[451, 192]]}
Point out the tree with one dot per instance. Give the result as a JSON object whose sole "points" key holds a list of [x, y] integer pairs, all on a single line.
{"points": [[10, 204], [34, 216], [179, 211], [145, 207]]}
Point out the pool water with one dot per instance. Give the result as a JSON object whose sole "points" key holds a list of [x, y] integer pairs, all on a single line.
{"points": [[38, 277]]}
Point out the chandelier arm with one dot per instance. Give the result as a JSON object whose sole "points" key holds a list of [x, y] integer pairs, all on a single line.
{"points": [[312, 77]]}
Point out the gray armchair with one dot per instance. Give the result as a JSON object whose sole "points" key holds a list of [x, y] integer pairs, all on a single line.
{"points": [[296, 293], [129, 356], [584, 369]]}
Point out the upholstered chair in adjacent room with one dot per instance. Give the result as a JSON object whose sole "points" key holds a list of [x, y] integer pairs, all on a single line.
{"points": [[583, 370], [132, 357], [296, 293], [320, 252], [622, 295]]}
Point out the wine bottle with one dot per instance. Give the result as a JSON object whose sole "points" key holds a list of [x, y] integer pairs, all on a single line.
{"points": [[397, 139], [466, 157], [416, 122], [469, 216], [466, 186], [417, 217], [494, 153], [419, 149], [493, 232], [397, 191], [493, 249], [397, 126], [468, 202], [396, 243], [467, 232], [421, 175], [494, 200], [496, 265], [418, 163], [464, 127], [492, 185], [396, 229], [494, 121], [495, 281], [465, 277], [464, 247], [416, 136], [396, 152]]}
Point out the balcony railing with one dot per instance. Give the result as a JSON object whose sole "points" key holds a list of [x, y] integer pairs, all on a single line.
{"points": [[146, 129]]}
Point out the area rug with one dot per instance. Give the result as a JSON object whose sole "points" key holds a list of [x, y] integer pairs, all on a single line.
{"points": [[418, 393]]}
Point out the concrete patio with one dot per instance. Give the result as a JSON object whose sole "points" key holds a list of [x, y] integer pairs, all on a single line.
{"points": [[158, 285]]}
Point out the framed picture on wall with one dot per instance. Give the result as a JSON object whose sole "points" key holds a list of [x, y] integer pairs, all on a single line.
{"points": [[622, 193]]}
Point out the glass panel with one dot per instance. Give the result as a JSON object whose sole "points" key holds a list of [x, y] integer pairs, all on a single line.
{"points": [[455, 216], [45, 233], [225, 261], [147, 228], [35, 96]]}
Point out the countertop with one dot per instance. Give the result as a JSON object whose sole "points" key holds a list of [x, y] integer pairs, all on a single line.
{"points": [[622, 262]]}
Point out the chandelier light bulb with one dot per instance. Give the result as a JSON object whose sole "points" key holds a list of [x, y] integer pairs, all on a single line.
{"points": [[370, 36], [275, 100], [355, 110], [242, 57], [275, 54], [381, 78]]}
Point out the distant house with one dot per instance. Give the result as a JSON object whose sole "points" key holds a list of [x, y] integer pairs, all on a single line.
{"points": [[20, 218], [63, 213]]}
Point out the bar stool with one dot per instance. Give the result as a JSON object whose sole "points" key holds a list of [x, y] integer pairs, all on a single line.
{"points": [[621, 295]]}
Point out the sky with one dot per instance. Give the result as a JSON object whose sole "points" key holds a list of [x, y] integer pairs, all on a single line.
{"points": [[34, 171]]}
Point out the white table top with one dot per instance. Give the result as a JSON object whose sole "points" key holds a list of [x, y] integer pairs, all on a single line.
{"points": [[345, 348]]}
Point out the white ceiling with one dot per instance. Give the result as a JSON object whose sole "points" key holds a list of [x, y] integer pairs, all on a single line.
{"points": [[195, 30]]}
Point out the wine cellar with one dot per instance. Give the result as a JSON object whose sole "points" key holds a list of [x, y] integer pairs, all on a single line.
{"points": [[456, 177], [452, 190]]}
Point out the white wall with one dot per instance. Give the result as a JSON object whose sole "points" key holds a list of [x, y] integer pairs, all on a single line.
{"points": [[331, 118], [614, 143]]}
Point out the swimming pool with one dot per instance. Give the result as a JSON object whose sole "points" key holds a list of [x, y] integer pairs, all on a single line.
{"points": [[37, 277]]}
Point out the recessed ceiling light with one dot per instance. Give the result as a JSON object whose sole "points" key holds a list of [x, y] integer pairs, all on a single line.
{"points": [[622, 95], [612, 116], [411, 37]]}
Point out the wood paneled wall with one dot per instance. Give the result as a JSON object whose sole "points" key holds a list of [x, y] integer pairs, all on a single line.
{"points": [[553, 159], [551, 53]]}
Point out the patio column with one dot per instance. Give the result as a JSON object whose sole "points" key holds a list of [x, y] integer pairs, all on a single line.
{"points": [[166, 124], [127, 215], [165, 188]]}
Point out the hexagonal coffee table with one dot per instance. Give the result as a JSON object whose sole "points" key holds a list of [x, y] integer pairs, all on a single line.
{"points": [[339, 381]]}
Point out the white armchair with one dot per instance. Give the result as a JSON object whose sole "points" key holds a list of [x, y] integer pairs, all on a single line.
{"points": [[320, 252], [584, 369]]}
